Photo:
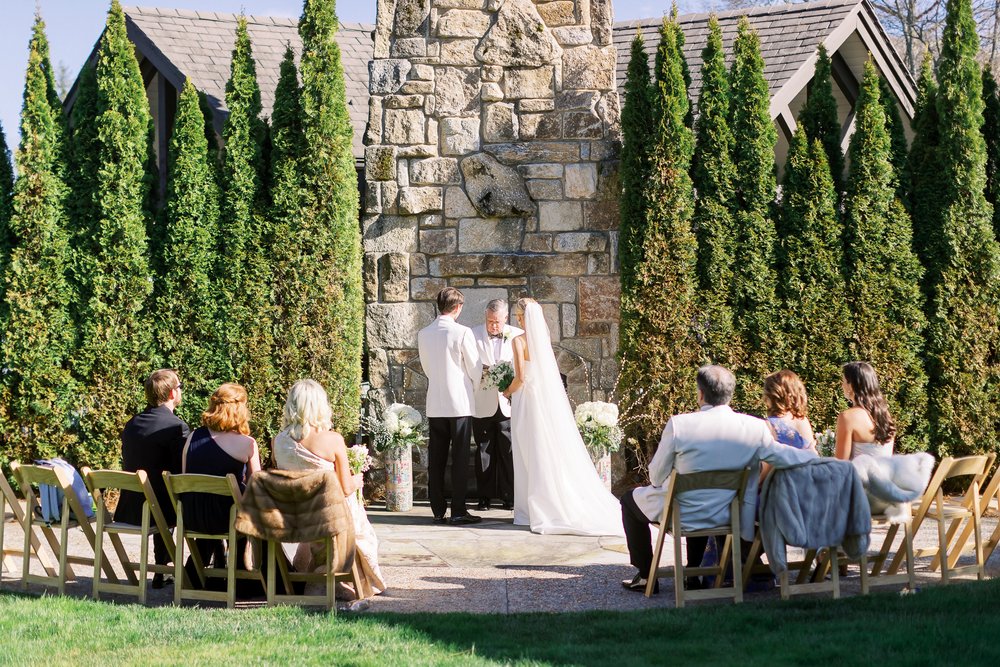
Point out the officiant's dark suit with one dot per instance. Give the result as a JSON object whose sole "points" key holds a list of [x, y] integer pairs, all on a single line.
{"points": [[152, 441]]}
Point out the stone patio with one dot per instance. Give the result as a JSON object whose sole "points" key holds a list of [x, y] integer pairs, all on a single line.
{"points": [[491, 568]]}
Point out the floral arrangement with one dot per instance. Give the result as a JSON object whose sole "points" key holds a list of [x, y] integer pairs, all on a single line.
{"points": [[399, 427], [499, 375], [598, 424], [826, 443], [360, 461]]}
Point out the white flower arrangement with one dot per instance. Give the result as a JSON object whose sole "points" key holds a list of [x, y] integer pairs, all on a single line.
{"points": [[826, 443], [598, 424], [399, 427], [499, 375]]}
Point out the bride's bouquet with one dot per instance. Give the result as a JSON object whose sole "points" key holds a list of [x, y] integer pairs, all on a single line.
{"points": [[598, 424], [399, 427], [499, 375]]}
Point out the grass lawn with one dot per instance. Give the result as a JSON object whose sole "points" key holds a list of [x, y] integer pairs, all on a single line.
{"points": [[958, 625]]}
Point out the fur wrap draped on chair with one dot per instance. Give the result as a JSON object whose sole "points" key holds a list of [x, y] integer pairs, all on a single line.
{"points": [[893, 482]]}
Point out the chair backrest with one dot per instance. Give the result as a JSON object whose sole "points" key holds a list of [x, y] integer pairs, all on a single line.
{"points": [[177, 485], [722, 480], [98, 481], [967, 465], [54, 476]]}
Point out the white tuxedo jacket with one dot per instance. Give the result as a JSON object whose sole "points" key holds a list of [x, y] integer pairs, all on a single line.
{"points": [[450, 359], [487, 400], [714, 438]]}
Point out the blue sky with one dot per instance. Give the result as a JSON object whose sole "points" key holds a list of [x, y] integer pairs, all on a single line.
{"points": [[73, 27]]}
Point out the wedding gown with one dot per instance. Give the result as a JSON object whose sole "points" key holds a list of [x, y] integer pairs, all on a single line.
{"points": [[556, 487]]}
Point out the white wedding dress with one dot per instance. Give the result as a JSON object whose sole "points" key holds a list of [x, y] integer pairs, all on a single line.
{"points": [[556, 487]]}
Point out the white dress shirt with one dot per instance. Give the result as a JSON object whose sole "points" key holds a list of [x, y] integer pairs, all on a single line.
{"points": [[450, 359]]}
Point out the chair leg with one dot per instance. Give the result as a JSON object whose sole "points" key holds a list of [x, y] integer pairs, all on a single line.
{"points": [[331, 578], [232, 557], [26, 558], [910, 559], [723, 558], [654, 568], [751, 559], [179, 557], [980, 563], [678, 572], [783, 582], [143, 556], [864, 574], [737, 584], [942, 545], [883, 553], [272, 565], [63, 548], [98, 554], [835, 569]]}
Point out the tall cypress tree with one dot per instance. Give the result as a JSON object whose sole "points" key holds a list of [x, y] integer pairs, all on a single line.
{"points": [[637, 118], [663, 353], [243, 272], [963, 338], [991, 134], [712, 175], [883, 273], [82, 173], [185, 303], [820, 119], [115, 339], [6, 209], [330, 218], [753, 284], [897, 136], [36, 390], [924, 172], [811, 289]]}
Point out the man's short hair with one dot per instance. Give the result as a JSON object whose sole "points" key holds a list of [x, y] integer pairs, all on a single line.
{"points": [[449, 299], [717, 384], [497, 306], [158, 386]]}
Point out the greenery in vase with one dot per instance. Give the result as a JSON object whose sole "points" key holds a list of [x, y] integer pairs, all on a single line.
{"points": [[598, 424], [399, 427]]}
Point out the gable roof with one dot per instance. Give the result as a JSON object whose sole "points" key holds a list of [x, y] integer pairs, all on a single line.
{"points": [[199, 45]]}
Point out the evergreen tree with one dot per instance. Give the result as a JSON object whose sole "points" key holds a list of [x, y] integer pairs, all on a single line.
{"points": [[811, 289], [883, 273], [185, 304], [820, 118], [712, 175], [924, 172], [36, 389], [637, 118], [991, 134], [897, 136], [963, 274], [335, 327], [662, 353], [753, 285], [115, 335], [82, 168], [243, 273], [6, 209]]}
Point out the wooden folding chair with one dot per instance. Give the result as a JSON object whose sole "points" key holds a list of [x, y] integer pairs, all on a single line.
{"points": [[276, 560], [99, 481], [71, 515], [990, 495], [9, 498], [177, 486], [723, 480]]}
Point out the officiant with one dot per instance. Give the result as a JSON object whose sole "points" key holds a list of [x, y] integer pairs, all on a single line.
{"points": [[491, 421]]}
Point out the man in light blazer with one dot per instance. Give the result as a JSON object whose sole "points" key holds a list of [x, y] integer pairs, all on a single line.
{"points": [[450, 360], [714, 438], [491, 422]]}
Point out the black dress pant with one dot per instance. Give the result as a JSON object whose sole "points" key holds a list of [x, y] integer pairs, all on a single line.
{"points": [[494, 457], [448, 434], [640, 542]]}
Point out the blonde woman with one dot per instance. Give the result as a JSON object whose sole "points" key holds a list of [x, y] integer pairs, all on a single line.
{"points": [[307, 441]]}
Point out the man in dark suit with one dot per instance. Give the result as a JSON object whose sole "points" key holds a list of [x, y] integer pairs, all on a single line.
{"points": [[153, 441]]}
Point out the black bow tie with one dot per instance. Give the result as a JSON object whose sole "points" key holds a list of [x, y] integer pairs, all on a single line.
{"points": [[499, 335]]}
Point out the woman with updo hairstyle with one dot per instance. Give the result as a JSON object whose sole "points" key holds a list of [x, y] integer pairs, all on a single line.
{"points": [[866, 427], [785, 398]]}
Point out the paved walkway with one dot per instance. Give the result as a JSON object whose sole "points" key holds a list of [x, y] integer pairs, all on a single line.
{"points": [[495, 567]]}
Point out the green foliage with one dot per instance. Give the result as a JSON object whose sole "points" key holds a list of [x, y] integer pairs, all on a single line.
{"points": [[991, 134], [897, 136], [185, 303], [82, 173], [963, 272], [924, 172], [334, 326], [6, 208], [243, 271], [660, 358], [712, 174], [817, 322], [637, 118], [753, 286], [883, 273], [115, 335], [36, 390], [820, 118]]}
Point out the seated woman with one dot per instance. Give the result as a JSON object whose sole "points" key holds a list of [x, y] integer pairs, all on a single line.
{"points": [[866, 427], [222, 445], [785, 398], [307, 441]]}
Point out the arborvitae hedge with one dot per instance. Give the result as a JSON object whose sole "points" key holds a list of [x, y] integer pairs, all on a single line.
{"points": [[185, 310], [964, 276], [820, 119], [36, 390], [991, 134], [115, 345], [6, 208], [883, 273], [334, 330], [924, 172], [811, 290], [897, 137], [663, 353], [712, 174], [754, 137], [81, 177], [637, 118]]}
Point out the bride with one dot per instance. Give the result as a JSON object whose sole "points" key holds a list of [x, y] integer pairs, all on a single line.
{"points": [[556, 488]]}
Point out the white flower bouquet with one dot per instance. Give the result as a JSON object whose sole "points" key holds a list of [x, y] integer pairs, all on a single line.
{"points": [[399, 426], [598, 424], [826, 443], [499, 375], [360, 461]]}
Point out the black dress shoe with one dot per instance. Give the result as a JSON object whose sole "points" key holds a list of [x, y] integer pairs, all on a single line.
{"points": [[638, 584], [440, 519], [159, 581], [508, 505], [483, 505], [464, 519]]}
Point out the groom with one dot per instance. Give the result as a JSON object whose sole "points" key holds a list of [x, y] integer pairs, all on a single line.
{"points": [[451, 363], [491, 424]]}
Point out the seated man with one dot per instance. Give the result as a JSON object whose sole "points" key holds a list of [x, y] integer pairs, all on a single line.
{"points": [[153, 441], [714, 438]]}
